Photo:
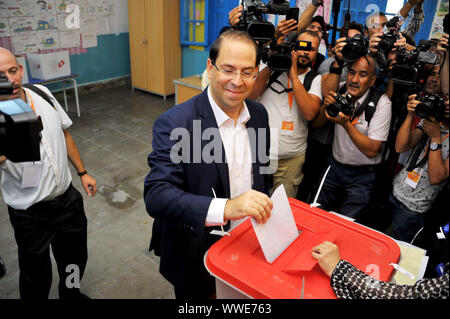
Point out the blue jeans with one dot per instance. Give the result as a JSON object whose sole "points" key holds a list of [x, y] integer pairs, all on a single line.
{"points": [[405, 223]]}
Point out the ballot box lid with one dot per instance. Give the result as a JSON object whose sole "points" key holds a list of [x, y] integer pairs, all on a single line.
{"points": [[238, 259]]}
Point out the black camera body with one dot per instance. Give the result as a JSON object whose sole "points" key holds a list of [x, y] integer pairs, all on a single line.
{"points": [[19, 128], [254, 22], [278, 56], [431, 106], [343, 104], [278, 7], [356, 47], [408, 71]]}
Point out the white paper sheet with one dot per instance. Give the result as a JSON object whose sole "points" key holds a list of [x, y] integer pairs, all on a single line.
{"points": [[69, 39], [280, 229]]}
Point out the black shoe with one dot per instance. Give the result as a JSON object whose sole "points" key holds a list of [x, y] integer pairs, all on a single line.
{"points": [[2, 268]]}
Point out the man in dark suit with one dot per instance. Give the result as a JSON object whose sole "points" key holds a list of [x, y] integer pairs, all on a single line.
{"points": [[209, 166]]}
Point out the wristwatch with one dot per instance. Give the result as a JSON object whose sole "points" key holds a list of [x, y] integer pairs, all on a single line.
{"points": [[82, 173], [435, 146]]}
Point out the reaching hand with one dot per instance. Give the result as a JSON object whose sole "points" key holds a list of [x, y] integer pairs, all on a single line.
{"points": [[234, 15], [327, 255], [251, 203]]}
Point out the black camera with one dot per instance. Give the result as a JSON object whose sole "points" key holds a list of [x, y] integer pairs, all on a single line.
{"points": [[355, 48], [431, 105], [254, 22], [386, 43], [19, 128], [408, 70], [343, 104], [278, 7], [278, 56]]}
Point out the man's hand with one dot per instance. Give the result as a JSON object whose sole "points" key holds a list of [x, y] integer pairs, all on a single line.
{"points": [[284, 28], [412, 103], [293, 72], [443, 43], [327, 255], [373, 42], [432, 128], [251, 203], [2, 158], [235, 15], [90, 185], [340, 43]]}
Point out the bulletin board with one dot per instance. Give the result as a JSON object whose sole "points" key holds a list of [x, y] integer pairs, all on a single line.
{"points": [[43, 26]]}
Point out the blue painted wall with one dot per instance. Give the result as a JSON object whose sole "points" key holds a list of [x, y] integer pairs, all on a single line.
{"points": [[193, 61], [110, 59]]}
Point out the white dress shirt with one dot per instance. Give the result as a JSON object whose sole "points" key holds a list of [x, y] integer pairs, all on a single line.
{"points": [[238, 156], [55, 177]]}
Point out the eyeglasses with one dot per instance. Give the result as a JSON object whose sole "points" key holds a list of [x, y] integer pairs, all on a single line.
{"points": [[228, 73]]}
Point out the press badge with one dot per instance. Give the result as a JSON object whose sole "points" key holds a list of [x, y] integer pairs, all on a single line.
{"points": [[31, 175], [287, 126], [413, 177]]}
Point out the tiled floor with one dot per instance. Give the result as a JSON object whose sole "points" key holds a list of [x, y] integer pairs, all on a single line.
{"points": [[114, 137]]}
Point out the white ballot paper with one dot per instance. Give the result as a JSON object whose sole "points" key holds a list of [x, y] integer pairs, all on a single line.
{"points": [[280, 230]]}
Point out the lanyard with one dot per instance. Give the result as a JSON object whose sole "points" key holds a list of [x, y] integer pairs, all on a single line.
{"points": [[31, 100], [290, 95]]}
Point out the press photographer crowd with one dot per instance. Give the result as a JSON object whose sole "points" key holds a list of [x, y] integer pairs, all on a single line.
{"points": [[361, 112]]}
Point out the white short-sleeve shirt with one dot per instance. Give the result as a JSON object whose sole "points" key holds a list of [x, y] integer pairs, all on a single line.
{"points": [[55, 176], [277, 106], [346, 152]]}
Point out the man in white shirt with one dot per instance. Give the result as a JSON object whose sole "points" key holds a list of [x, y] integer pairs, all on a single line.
{"points": [[357, 143], [46, 210], [208, 166], [290, 106]]}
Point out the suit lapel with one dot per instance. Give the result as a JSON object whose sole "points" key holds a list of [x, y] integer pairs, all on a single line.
{"points": [[209, 120]]}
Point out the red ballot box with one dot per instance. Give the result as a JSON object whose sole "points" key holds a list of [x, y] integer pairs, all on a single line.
{"points": [[241, 270]]}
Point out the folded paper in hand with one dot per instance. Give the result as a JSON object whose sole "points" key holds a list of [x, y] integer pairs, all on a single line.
{"points": [[280, 230]]}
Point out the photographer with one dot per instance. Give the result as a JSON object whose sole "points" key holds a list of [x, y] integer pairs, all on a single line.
{"points": [[44, 208], [321, 138], [291, 102], [425, 173], [363, 121]]}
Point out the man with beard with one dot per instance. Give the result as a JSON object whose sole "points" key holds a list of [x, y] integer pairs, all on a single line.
{"points": [[291, 100], [358, 139]]}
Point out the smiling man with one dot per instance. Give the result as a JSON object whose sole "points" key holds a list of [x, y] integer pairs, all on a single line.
{"points": [[191, 198], [358, 140]]}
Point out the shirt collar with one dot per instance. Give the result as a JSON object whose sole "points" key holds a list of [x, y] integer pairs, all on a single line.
{"points": [[222, 117]]}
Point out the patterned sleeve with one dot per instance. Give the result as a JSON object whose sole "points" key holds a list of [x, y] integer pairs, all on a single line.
{"points": [[348, 282], [414, 24]]}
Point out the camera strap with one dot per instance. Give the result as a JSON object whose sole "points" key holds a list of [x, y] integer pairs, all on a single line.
{"points": [[369, 105], [39, 92], [415, 155], [307, 82]]}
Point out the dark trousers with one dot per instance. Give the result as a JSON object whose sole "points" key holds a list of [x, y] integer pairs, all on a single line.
{"points": [[347, 189], [316, 162], [60, 223]]}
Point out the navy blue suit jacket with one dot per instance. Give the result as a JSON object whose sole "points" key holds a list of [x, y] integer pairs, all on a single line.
{"points": [[178, 196]]}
